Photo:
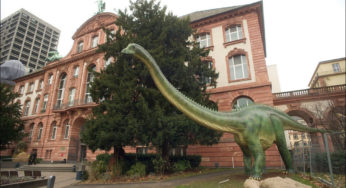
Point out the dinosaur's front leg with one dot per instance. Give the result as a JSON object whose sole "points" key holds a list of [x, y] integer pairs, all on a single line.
{"points": [[256, 150], [247, 160]]}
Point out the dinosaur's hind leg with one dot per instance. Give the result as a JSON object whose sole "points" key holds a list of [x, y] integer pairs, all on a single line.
{"points": [[281, 144]]}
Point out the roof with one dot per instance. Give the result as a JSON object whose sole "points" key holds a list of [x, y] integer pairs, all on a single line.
{"points": [[198, 15]]}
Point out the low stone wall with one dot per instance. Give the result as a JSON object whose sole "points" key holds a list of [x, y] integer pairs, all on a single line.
{"points": [[27, 184]]}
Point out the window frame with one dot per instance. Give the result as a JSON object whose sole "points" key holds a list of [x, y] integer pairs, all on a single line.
{"points": [[54, 130], [76, 71], [94, 41], [67, 130], [71, 97], [80, 46], [45, 103], [40, 129], [336, 67], [234, 53], [236, 104], [89, 79], [50, 79], [61, 90], [26, 108], [207, 39], [239, 32], [37, 102]]}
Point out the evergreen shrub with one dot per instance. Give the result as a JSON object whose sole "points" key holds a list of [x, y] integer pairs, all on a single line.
{"points": [[338, 162]]}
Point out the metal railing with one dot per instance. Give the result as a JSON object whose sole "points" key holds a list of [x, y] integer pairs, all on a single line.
{"points": [[311, 91]]}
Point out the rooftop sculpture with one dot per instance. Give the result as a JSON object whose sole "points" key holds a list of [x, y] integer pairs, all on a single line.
{"points": [[255, 128]]}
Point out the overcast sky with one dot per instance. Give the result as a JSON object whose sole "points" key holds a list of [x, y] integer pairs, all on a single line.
{"points": [[299, 33]]}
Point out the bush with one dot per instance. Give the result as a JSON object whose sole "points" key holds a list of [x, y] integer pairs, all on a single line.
{"points": [[159, 165], [181, 166], [104, 157], [338, 162], [21, 147], [195, 160], [98, 168], [137, 170], [21, 157]]}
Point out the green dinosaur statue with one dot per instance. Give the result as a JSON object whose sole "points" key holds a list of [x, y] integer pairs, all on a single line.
{"points": [[255, 128]]}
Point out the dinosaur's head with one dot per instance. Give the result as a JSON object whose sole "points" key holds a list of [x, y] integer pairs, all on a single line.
{"points": [[130, 49]]}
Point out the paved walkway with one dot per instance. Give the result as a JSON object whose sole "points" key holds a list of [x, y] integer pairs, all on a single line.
{"points": [[62, 179], [165, 183]]}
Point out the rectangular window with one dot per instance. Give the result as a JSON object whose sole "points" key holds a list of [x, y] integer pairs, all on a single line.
{"points": [[95, 41], [336, 67], [80, 47], [41, 84], [234, 33], [31, 88], [108, 62], [21, 90], [76, 71], [71, 96], [45, 101], [67, 129], [204, 40], [238, 67], [50, 79]]}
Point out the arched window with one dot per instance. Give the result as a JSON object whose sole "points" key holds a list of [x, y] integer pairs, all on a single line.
{"points": [[53, 130], [234, 33], [204, 40], [45, 101], [31, 131], [80, 46], [37, 102], [27, 107], [238, 67], [67, 129], [61, 89], [90, 78], [40, 129], [241, 102]]}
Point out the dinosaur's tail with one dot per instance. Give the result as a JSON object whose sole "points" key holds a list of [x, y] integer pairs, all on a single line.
{"points": [[290, 124]]}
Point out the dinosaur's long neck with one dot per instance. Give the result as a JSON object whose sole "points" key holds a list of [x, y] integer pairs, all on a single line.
{"points": [[204, 116]]}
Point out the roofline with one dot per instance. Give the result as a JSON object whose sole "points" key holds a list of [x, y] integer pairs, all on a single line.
{"points": [[74, 36], [31, 14], [261, 21], [324, 62]]}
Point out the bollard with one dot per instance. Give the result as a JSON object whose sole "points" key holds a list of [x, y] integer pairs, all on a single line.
{"points": [[50, 183]]}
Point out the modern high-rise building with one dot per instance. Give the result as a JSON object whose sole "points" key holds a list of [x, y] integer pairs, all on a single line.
{"points": [[27, 38]]}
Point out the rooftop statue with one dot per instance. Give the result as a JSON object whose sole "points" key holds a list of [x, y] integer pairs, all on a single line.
{"points": [[101, 6], [52, 56], [255, 128]]}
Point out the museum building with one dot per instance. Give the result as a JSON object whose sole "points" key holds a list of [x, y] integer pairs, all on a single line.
{"points": [[56, 99]]}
